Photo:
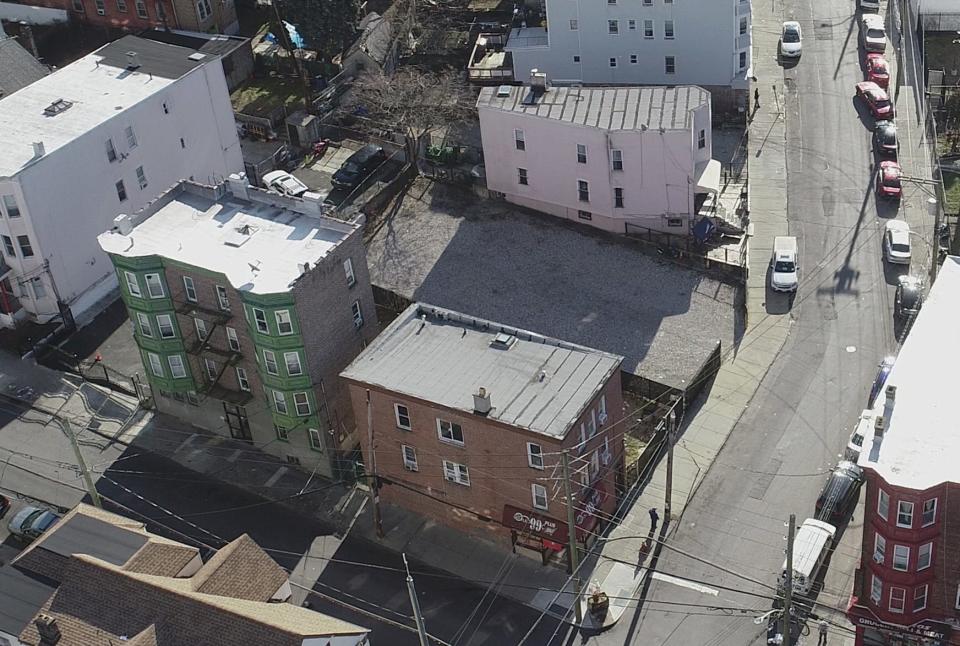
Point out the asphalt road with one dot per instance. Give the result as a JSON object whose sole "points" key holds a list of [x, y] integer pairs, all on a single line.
{"points": [[189, 507]]}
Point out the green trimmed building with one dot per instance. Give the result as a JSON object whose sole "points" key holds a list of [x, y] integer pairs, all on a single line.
{"points": [[246, 305]]}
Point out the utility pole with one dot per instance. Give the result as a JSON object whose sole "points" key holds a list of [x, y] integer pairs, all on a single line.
{"points": [[934, 208], [84, 471], [417, 615], [671, 437], [373, 481], [572, 533], [788, 592]]}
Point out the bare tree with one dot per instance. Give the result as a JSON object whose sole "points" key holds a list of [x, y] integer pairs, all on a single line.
{"points": [[412, 101]]}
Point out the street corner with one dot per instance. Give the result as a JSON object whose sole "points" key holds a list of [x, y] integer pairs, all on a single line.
{"points": [[605, 601]]}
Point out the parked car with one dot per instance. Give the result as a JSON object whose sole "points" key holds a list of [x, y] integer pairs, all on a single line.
{"points": [[839, 496], [873, 35], [888, 181], [358, 166], [885, 138], [877, 69], [791, 39], [783, 265], [855, 443], [284, 183], [909, 298], [30, 522], [4, 505], [876, 99], [896, 242], [883, 371]]}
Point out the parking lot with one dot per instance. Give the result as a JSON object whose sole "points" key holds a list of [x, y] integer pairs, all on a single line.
{"points": [[444, 246]]}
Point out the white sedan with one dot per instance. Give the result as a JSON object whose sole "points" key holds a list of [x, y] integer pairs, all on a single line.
{"points": [[896, 242], [284, 183], [791, 39]]}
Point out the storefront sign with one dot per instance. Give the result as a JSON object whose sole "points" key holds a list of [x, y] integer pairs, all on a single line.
{"points": [[524, 520], [937, 630]]}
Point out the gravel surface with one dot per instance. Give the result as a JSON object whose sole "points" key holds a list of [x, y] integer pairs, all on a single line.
{"points": [[487, 258]]}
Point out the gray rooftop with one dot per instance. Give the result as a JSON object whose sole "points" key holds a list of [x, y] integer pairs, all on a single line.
{"points": [[156, 58], [445, 357], [81, 534], [18, 68], [608, 108], [214, 44], [21, 596]]}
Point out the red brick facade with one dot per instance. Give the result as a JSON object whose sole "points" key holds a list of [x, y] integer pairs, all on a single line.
{"points": [[137, 15]]}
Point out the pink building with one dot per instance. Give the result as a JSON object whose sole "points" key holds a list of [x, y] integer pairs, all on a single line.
{"points": [[610, 157]]}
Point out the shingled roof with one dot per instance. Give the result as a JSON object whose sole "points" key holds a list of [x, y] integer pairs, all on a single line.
{"points": [[240, 570]]}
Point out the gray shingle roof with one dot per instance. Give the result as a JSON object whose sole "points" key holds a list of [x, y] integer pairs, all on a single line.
{"points": [[18, 68]]}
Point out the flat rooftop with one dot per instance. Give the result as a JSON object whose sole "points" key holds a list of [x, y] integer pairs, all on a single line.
{"points": [[445, 357], [607, 108], [98, 87], [921, 442], [259, 246]]}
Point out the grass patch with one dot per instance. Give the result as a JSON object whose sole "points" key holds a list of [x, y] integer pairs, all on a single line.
{"points": [[260, 97], [951, 187]]}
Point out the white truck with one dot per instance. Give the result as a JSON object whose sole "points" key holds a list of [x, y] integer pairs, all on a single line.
{"points": [[810, 549], [784, 274]]}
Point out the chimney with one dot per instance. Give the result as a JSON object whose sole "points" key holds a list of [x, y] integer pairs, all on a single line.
{"points": [[38, 149], [123, 224], [26, 33], [238, 185], [891, 393], [48, 629], [879, 425], [538, 81], [481, 402], [133, 60]]}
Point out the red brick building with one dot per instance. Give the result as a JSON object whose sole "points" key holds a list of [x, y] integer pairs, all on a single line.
{"points": [[469, 420], [908, 584], [217, 16]]}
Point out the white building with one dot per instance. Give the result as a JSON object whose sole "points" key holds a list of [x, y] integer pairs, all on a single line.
{"points": [[610, 157], [640, 42], [101, 136]]}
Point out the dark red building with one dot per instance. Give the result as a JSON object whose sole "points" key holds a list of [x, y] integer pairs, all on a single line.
{"points": [[219, 16]]}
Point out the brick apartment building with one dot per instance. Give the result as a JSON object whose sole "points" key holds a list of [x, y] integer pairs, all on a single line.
{"points": [[470, 418], [211, 16], [908, 586], [246, 305]]}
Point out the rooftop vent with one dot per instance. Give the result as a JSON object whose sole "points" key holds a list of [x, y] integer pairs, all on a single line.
{"points": [[38, 149], [123, 224], [879, 425], [197, 56], [504, 90], [503, 341], [48, 629], [58, 106], [481, 402], [133, 60], [239, 236], [891, 393]]}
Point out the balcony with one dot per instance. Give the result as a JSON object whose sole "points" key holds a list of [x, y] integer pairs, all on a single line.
{"points": [[489, 63], [238, 397], [189, 308]]}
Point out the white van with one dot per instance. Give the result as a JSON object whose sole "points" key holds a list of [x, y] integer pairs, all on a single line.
{"points": [[784, 276], [811, 546]]}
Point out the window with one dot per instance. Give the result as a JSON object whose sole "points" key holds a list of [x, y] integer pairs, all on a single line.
{"points": [[583, 190], [302, 404], [883, 504], [456, 473], [901, 557], [166, 108], [348, 272], [189, 290], [633, 59], [270, 362], [292, 359], [535, 455], [603, 410], [667, 1], [154, 286], [260, 317], [929, 512], [924, 553], [39, 291], [8, 246], [144, 323], [920, 598], [201, 326], [613, 61], [674, 222], [592, 424], [224, 302], [897, 599], [574, 25], [581, 154], [647, 3], [284, 322], [315, 438], [876, 589], [279, 402], [78, 5], [585, 215], [131, 137], [668, 29], [10, 204], [618, 198], [539, 496], [203, 9], [743, 26], [233, 340], [165, 325], [402, 414], [183, 144], [211, 367], [176, 366], [101, 8], [648, 29], [449, 432], [121, 191], [156, 367], [669, 65], [522, 176], [956, 602], [879, 549], [576, 58], [357, 315], [904, 514], [743, 60], [613, 26], [409, 458], [141, 177], [283, 433], [26, 250], [518, 139], [617, 159], [702, 139], [242, 379], [141, 8], [632, 25]]}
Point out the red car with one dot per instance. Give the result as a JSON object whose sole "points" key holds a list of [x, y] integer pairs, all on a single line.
{"points": [[876, 99], [888, 179], [878, 70]]}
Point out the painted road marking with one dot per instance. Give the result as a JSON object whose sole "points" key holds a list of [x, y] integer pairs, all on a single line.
{"points": [[185, 443], [233, 456], [684, 583], [276, 476]]}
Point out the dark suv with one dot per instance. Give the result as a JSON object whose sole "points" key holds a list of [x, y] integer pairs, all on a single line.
{"points": [[840, 494], [358, 166]]}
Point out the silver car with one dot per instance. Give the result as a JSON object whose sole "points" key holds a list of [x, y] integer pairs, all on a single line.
{"points": [[30, 522], [896, 242]]}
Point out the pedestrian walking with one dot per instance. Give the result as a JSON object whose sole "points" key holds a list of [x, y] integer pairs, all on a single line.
{"points": [[654, 519], [756, 98], [823, 633]]}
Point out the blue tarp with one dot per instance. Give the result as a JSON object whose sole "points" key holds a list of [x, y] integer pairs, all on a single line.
{"points": [[703, 229], [295, 38]]}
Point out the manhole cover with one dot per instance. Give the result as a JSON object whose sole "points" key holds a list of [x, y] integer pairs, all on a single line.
{"points": [[823, 31]]}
